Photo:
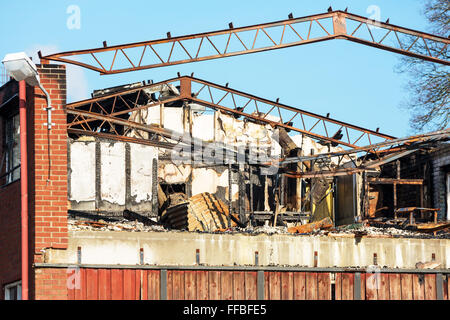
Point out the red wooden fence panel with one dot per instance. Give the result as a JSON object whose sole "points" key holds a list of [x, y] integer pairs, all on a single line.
{"points": [[118, 284]]}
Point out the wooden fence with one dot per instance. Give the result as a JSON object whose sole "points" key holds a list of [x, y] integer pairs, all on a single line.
{"points": [[154, 284]]}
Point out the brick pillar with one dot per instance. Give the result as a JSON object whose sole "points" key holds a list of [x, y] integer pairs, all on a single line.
{"points": [[48, 169]]}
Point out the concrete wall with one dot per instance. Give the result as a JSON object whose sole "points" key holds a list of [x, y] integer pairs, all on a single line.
{"points": [[179, 249], [110, 162]]}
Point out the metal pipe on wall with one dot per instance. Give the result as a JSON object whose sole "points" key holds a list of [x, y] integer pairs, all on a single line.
{"points": [[23, 186]]}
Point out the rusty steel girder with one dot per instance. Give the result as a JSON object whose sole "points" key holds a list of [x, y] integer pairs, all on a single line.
{"points": [[108, 108], [258, 38]]}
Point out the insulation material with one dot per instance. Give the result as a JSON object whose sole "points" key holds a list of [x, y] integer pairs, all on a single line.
{"points": [[82, 171], [141, 159], [113, 172], [207, 180], [203, 126], [173, 174], [173, 119]]}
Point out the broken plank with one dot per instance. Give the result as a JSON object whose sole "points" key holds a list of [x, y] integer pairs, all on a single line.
{"points": [[418, 282]]}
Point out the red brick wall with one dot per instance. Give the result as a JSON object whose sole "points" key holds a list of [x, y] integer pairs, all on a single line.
{"points": [[48, 180], [51, 284]]}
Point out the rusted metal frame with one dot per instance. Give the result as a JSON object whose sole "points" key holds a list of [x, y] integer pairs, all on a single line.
{"points": [[268, 36], [315, 124], [389, 31], [394, 181], [142, 56], [354, 31], [241, 41], [199, 46], [413, 44], [123, 138], [59, 56], [279, 113], [370, 32], [171, 50], [128, 58], [185, 49], [426, 46], [290, 25], [162, 61], [398, 39], [234, 102], [317, 20], [292, 109], [98, 61], [265, 115], [226, 93], [282, 34], [399, 51], [325, 127], [273, 123], [120, 93], [132, 110], [309, 31], [218, 52], [114, 59], [198, 92]]}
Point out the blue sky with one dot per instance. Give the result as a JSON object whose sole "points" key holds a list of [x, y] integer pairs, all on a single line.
{"points": [[354, 83]]}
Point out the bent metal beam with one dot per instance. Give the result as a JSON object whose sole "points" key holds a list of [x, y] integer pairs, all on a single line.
{"points": [[259, 38]]}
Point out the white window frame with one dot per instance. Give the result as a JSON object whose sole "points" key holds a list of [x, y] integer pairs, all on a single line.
{"points": [[8, 287]]}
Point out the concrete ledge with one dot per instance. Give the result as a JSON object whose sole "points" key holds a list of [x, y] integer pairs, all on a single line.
{"points": [[179, 249]]}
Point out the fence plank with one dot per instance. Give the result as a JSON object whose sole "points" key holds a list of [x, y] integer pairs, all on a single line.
{"points": [[178, 285], [92, 284], [153, 285], [266, 285], [239, 285], [372, 280], [214, 285], [251, 291], [311, 286], [116, 284], [407, 288], [418, 282], [363, 286], [189, 285], [383, 286], [324, 286], [227, 285], [430, 287], [347, 286], [395, 292], [287, 286], [170, 285], [202, 285], [275, 285], [446, 286], [299, 286], [338, 286], [129, 282], [104, 284]]}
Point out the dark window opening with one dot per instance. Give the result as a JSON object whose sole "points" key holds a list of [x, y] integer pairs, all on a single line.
{"points": [[10, 161]]}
